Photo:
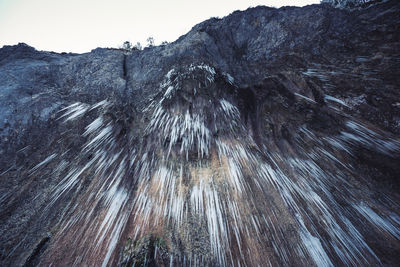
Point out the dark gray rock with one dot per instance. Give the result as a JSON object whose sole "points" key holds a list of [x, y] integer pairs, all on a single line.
{"points": [[270, 136]]}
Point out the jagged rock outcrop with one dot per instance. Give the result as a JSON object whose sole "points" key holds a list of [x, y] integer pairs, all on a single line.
{"points": [[268, 137]]}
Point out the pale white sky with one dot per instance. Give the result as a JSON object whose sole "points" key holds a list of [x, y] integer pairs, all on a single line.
{"points": [[82, 25]]}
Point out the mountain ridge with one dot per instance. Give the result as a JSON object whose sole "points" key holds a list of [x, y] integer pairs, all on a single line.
{"points": [[270, 136]]}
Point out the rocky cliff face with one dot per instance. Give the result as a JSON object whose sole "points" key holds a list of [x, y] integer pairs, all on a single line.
{"points": [[269, 137]]}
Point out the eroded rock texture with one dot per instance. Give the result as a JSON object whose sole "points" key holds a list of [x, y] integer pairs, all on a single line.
{"points": [[267, 138]]}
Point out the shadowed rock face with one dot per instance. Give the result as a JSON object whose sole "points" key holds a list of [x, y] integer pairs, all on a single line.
{"points": [[269, 137]]}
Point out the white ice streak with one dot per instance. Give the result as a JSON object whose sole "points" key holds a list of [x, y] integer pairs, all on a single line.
{"points": [[103, 135], [173, 79], [387, 225], [94, 126], [338, 144], [202, 66], [115, 237], [45, 161], [168, 195], [369, 138], [71, 106], [348, 244], [334, 99], [189, 131], [104, 103], [313, 245], [197, 198], [229, 109], [75, 111], [69, 181], [216, 222], [305, 98], [108, 167], [78, 109], [236, 175], [230, 79], [316, 73], [184, 131], [160, 197], [114, 220], [168, 92], [311, 185]]}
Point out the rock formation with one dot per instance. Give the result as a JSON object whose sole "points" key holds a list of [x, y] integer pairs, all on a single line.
{"points": [[267, 138]]}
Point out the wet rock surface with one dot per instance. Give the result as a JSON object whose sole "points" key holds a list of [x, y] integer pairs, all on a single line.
{"points": [[270, 136]]}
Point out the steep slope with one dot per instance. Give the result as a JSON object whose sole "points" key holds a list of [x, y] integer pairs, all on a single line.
{"points": [[268, 137]]}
